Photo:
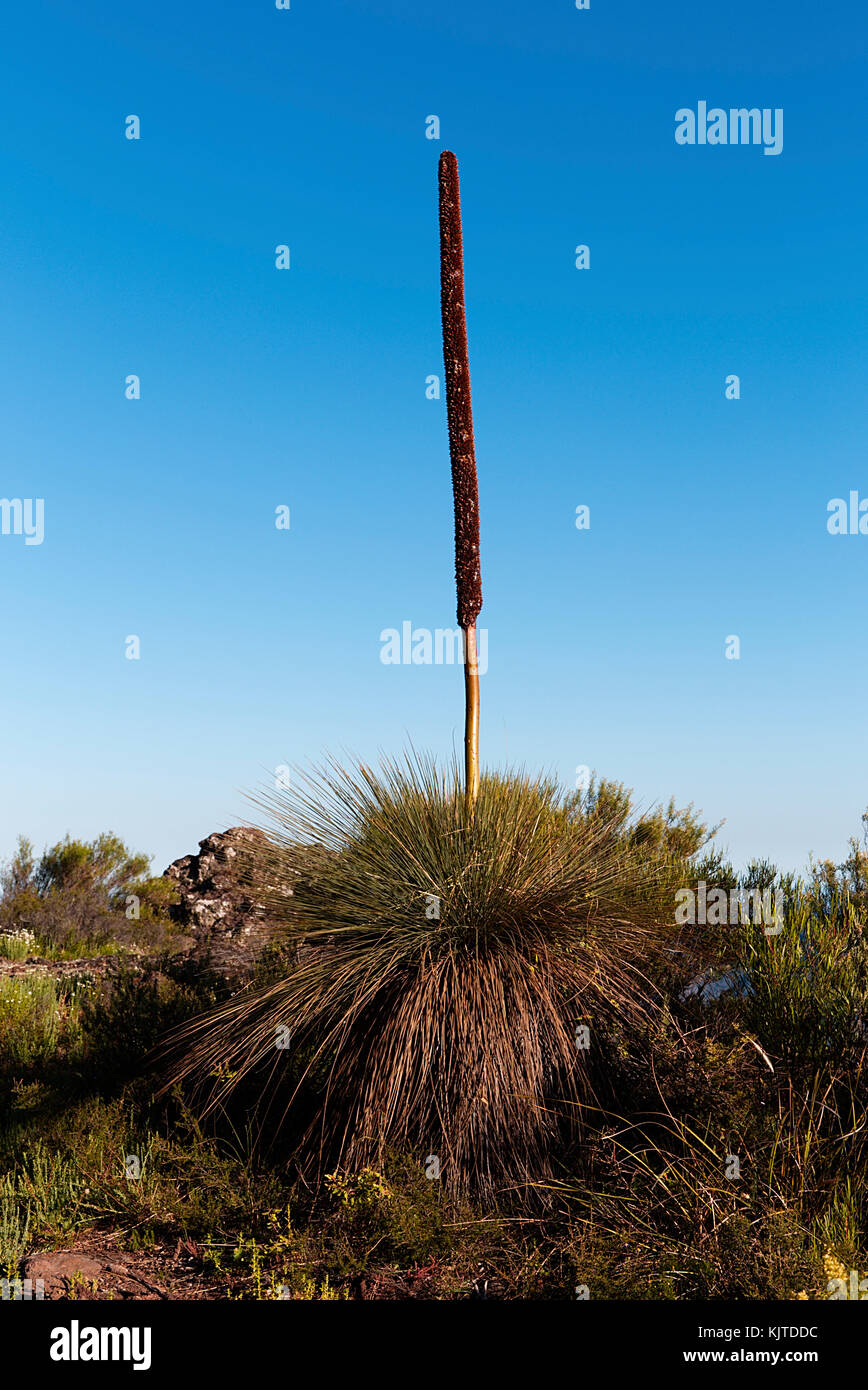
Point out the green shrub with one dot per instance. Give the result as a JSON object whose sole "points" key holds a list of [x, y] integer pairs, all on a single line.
{"points": [[38, 1017], [14, 1232], [83, 896], [806, 988], [17, 945], [124, 1020]]}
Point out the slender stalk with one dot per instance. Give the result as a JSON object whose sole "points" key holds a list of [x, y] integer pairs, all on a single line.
{"points": [[471, 720], [465, 488]]}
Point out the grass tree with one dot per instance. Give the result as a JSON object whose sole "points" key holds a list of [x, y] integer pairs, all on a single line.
{"points": [[467, 941]]}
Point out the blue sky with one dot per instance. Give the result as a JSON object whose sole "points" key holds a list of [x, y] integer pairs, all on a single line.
{"points": [[306, 388]]}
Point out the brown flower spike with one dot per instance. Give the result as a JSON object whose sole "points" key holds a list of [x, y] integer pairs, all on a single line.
{"points": [[468, 580], [464, 484]]}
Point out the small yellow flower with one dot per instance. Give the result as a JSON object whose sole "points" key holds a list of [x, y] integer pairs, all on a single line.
{"points": [[833, 1267]]}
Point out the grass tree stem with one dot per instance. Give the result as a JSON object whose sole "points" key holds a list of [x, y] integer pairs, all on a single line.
{"points": [[471, 720]]}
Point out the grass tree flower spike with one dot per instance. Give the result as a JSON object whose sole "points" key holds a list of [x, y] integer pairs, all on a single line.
{"points": [[465, 489]]}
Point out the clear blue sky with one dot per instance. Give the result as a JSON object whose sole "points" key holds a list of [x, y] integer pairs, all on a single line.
{"points": [[306, 387]]}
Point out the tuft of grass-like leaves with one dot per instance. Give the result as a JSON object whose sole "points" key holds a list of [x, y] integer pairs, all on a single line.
{"points": [[443, 972]]}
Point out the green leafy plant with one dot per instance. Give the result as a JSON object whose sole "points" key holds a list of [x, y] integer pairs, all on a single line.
{"points": [[805, 996], [82, 896], [38, 1015], [14, 1231]]}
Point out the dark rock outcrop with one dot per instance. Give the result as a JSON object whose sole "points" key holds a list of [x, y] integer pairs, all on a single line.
{"points": [[218, 908]]}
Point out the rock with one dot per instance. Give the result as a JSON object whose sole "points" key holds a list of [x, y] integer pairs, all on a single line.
{"points": [[218, 906], [63, 1268], [91, 1274], [709, 986]]}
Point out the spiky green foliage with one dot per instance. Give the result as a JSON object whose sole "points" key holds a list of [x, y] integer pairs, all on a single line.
{"points": [[806, 996], [442, 969]]}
